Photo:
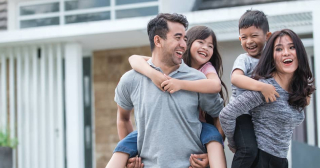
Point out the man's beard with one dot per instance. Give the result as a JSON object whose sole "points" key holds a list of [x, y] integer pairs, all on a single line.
{"points": [[169, 58]]}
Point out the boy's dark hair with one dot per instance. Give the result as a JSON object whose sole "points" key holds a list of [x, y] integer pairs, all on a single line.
{"points": [[301, 84], [254, 18], [158, 25]]}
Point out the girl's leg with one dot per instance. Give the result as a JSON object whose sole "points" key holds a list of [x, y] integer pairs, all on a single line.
{"points": [[212, 140], [217, 158], [125, 149], [118, 160]]}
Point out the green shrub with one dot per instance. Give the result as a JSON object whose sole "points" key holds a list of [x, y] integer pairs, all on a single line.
{"points": [[6, 141]]}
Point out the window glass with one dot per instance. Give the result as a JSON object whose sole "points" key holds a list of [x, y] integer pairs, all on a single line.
{"points": [[84, 4], [40, 22], [122, 2], [38, 9], [146, 11], [87, 17]]}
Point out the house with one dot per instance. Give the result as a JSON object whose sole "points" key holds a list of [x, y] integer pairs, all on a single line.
{"points": [[60, 61]]}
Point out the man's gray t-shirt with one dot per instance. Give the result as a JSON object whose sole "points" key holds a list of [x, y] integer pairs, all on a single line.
{"points": [[168, 124], [246, 63]]}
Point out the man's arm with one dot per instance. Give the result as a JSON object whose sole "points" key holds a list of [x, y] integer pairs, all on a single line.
{"points": [[124, 124], [244, 82]]}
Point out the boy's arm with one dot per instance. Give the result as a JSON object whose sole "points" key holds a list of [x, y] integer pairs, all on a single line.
{"points": [[124, 124], [244, 82], [139, 64], [210, 85]]}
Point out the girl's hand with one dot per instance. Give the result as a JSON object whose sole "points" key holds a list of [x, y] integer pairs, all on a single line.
{"points": [[199, 160], [171, 85], [135, 162], [158, 78]]}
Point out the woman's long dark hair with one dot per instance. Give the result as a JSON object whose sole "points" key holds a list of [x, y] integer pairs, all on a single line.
{"points": [[203, 32], [301, 84]]}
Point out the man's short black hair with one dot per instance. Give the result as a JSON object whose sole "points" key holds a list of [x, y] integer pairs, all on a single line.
{"points": [[158, 25], [254, 18]]}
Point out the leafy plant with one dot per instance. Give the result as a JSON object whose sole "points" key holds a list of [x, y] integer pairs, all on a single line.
{"points": [[6, 141]]}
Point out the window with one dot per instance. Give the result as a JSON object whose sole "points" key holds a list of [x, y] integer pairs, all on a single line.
{"points": [[127, 13], [123, 2], [40, 22], [88, 17], [41, 13], [84, 4], [39, 9]]}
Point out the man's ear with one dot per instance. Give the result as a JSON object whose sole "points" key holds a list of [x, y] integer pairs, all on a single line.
{"points": [[157, 41], [268, 35]]}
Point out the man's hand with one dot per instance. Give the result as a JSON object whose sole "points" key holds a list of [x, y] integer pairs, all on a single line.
{"points": [[135, 162], [269, 92], [171, 85], [199, 160]]}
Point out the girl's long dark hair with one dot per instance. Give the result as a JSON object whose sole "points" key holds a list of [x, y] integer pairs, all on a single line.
{"points": [[203, 32], [301, 84]]}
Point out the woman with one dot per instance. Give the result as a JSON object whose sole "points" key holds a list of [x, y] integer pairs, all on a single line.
{"points": [[284, 64]]}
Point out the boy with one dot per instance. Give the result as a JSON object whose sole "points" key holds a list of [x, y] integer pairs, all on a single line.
{"points": [[253, 34]]}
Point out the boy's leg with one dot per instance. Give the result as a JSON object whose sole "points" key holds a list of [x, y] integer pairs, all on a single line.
{"points": [[212, 140], [246, 143], [125, 149]]}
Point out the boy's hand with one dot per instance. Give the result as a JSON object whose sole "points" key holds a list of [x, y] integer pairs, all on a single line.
{"points": [[269, 92], [171, 85], [199, 161], [158, 78]]}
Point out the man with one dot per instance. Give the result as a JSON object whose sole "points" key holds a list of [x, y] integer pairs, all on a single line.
{"points": [[168, 124]]}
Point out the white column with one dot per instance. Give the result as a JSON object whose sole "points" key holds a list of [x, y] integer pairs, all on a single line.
{"points": [[12, 101], [43, 156], [3, 91], [28, 114], [316, 40], [20, 121], [74, 107], [51, 108], [35, 104], [60, 116]]}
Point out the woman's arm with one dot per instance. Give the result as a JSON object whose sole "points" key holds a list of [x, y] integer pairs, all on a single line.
{"points": [[139, 64], [210, 85], [241, 105]]}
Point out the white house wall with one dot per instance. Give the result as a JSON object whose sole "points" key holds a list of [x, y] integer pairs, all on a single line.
{"points": [[38, 95]]}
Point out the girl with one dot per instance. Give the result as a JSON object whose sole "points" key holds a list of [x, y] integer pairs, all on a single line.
{"points": [[201, 54], [284, 64]]}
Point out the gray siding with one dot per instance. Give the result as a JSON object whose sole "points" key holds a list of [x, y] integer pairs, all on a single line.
{"points": [[3, 14]]}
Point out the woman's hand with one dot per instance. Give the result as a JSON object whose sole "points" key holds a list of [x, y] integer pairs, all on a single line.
{"points": [[233, 150], [199, 160], [135, 162], [171, 85]]}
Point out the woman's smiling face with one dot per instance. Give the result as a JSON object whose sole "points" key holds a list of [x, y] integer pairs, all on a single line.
{"points": [[285, 55]]}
